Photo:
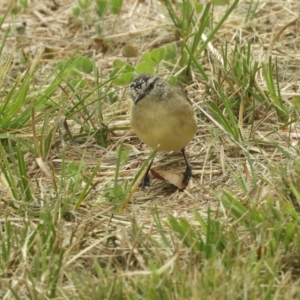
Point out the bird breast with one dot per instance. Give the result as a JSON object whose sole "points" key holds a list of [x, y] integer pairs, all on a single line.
{"points": [[164, 122]]}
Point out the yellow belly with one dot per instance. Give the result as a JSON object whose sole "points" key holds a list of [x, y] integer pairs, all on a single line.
{"points": [[172, 130]]}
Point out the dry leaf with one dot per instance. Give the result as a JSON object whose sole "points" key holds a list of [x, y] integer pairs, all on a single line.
{"points": [[129, 51], [5, 185], [43, 167], [174, 178]]}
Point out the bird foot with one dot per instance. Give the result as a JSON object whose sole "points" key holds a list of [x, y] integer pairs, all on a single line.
{"points": [[186, 177], [145, 181]]}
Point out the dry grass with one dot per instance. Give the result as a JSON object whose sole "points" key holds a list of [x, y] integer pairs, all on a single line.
{"points": [[92, 233]]}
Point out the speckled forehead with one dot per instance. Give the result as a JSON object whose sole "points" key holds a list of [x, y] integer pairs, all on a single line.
{"points": [[139, 84]]}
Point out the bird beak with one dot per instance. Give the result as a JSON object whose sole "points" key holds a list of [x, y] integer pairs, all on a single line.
{"points": [[138, 98]]}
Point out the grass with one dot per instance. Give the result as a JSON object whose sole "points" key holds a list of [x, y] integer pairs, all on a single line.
{"points": [[74, 224]]}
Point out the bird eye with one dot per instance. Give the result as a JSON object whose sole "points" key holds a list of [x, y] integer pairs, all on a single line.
{"points": [[151, 85]]}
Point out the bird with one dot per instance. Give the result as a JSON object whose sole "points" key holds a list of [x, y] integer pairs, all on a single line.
{"points": [[162, 116]]}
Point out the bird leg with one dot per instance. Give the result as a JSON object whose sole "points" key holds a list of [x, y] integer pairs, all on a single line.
{"points": [[188, 171], [146, 179]]}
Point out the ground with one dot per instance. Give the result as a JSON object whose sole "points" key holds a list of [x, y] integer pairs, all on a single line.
{"points": [[50, 31]]}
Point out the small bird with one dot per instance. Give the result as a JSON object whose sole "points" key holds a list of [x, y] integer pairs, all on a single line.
{"points": [[162, 115]]}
